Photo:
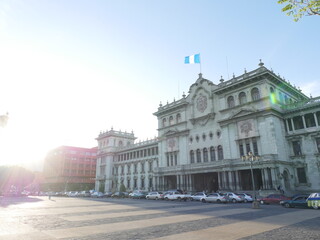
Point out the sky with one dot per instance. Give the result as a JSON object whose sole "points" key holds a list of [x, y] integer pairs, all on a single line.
{"points": [[70, 69]]}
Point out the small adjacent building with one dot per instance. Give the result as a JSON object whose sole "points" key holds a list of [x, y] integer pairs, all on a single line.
{"points": [[68, 168], [213, 137]]}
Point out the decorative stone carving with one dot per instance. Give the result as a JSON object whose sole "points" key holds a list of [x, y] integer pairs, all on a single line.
{"points": [[202, 103], [203, 120]]}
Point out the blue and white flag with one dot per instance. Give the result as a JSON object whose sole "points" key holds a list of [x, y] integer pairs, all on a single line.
{"points": [[192, 59]]}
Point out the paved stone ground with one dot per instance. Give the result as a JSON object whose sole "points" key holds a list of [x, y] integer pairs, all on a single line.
{"points": [[39, 218]]}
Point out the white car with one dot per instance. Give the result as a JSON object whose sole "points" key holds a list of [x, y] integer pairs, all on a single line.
{"points": [[246, 197], [175, 196], [214, 197], [155, 195], [232, 197], [197, 196]]}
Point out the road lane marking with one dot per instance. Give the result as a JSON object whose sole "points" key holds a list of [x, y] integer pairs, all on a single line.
{"points": [[133, 213], [130, 225], [245, 228]]}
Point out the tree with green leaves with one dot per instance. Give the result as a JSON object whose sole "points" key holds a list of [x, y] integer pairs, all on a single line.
{"points": [[300, 8]]}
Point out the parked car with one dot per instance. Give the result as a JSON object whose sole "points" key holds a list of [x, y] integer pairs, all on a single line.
{"points": [[246, 197], [273, 199], [197, 196], [175, 196], [118, 195], [84, 194], [139, 194], [232, 197], [214, 197], [97, 195], [297, 201], [72, 194], [314, 200], [107, 194], [155, 195]]}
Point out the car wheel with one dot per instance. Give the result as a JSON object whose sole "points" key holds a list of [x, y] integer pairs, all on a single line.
{"points": [[287, 205], [315, 206], [203, 200], [191, 199], [179, 199], [166, 199], [234, 200], [245, 200], [157, 198], [218, 201], [261, 202]]}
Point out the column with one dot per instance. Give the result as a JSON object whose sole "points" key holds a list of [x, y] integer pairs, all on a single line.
{"points": [[287, 125], [315, 119], [154, 183], [304, 122], [274, 178], [237, 179], [264, 180], [191, 182], [292, 125]]}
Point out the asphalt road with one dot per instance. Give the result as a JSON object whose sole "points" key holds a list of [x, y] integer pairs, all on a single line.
{"points": [[38, 218]]}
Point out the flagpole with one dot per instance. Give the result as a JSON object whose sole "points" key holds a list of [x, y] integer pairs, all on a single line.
{"points": [[200, 62]]}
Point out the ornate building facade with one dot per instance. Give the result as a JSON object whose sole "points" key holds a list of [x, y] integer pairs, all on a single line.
{"points": [[204, 137]]}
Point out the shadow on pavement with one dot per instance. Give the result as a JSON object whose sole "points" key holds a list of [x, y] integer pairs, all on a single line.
{"points": [[7, 201]]}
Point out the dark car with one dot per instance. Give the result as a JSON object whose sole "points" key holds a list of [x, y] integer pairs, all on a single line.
{"points": [[118, 195], [273, 199], [139, 194], [297, 201]]}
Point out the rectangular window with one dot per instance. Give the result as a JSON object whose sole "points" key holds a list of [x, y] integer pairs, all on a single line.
{"points": [[318, 144], [302, 175], [142, 183], [241, 149], [298, 122], [168, 160], [255, 147], [296, 148], [128, 183], [135, 183], [176, 159], [248, 147]]}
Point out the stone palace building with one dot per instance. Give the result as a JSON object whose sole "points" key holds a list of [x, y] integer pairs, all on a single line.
{"points": [[213, 137]]}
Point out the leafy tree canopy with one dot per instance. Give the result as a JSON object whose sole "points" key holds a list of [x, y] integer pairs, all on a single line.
{"points": [[300, 8]]}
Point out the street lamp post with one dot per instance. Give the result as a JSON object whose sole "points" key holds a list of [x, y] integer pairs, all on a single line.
{"points": [[251, 157]]}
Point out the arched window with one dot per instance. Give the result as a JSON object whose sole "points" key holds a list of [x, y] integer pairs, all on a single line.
{"points": [[242, 98], [164, 122], [230, 102], [255, 94], [198, 155], [220, 153], [171, 120], [280, 97], [205, 155], [271, 90], [178, 117], [192, 156], [212, 154]]}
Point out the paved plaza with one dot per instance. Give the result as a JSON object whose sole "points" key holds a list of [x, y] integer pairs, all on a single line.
{"points": [[38, 218]]}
